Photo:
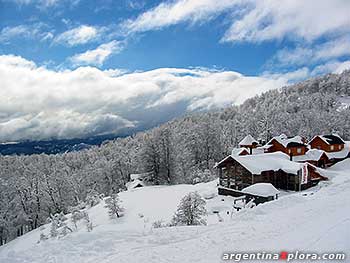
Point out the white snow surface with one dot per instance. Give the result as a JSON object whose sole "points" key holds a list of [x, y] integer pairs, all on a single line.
{"points": [[316, 220], [268, 161], [310, 155], [340, 154], [261, 189], [238, 151], [248, 140], [284, 140], [133, 184]]}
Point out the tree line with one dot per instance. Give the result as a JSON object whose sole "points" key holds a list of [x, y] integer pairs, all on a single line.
{"points": [[35, 187]]}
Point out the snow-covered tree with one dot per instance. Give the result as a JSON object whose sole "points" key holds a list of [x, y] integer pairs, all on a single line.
{"points": [[34, 187], [54, 229], [87, 221], [76, 217], [113, 204], [191, 211]]}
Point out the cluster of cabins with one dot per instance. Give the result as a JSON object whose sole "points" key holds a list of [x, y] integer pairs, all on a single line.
{"points": [[289, 163]]}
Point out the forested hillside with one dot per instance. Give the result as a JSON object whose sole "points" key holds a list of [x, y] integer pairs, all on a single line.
{"points": [[181, 151]]}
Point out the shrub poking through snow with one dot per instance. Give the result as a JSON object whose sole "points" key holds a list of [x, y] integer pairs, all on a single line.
{"points": [[87, 221], [92, 198], [113, 204], [158, 224], [43, 237], [76, 217], [53, 230], [191, 211]]}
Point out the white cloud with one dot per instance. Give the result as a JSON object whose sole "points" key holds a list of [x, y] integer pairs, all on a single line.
{"points": [[304, 55], [307, 20], [253, 20], [38, 103], [174, 12], [79, 35], [99, 55], [289, 77], [333, 66], [45, 4], [31, 31]]}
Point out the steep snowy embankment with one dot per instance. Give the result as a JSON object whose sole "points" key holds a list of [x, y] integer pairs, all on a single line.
{"points": [[314, 220]]}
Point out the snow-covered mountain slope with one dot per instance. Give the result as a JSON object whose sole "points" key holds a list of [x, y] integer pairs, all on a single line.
{"points": [[317, 220]]}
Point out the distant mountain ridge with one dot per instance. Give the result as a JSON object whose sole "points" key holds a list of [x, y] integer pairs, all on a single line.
{"points": [[52, 146], [336, 85]]}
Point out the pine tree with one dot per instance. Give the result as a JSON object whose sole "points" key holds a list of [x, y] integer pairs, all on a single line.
{"points": [[113, 204], [191, 211]]}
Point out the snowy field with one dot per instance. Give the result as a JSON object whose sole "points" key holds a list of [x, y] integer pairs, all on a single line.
{"points": [[317, 220]]}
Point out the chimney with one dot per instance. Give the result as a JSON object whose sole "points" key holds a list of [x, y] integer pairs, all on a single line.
{"points": [[250, 150]]}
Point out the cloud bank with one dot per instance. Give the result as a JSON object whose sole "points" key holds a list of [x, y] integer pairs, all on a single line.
{"points": [[38, 103]]}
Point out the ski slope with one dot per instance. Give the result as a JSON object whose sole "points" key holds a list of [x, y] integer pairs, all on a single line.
{"points": [[317, 220]]}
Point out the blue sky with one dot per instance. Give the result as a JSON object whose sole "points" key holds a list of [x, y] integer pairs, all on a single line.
{"points": [[180, 45], [158, 58]]}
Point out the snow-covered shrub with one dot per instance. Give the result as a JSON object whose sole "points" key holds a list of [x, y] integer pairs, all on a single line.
{"points": [[92, 198], [65, 230], [199, 176], [43, 237], [80, 206], [158, 224], [141, 215], [76, 217], [191, 211], [87, 221], [113, 204], [54, 229], [60, 218]]}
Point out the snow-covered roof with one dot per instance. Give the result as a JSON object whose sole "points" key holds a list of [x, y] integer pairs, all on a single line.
{"points": [[133, 184], [248, 140], [134, 176], [139, 176], [275, 161], [330, 139], [261, 189], [261, 149], [285, 141], [238, 151], [311, 155], [341, 154]]}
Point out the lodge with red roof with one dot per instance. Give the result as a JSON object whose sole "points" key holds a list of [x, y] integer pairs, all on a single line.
{"points": [[288, 163]]}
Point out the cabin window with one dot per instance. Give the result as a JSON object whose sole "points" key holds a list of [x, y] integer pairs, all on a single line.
{"points": [[299, 150], [339, 147], [332, 147], [289, 150]]}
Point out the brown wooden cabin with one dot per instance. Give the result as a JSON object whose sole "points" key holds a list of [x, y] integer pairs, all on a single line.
{"points": [[327, 143], [293, 146], [235, 173], [315, 157], [248, 142]]}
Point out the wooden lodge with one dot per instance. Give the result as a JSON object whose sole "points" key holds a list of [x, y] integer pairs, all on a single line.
{"points": [[315, 157], [293, 146], [333, 145], [248, 142], [327, 143], [239, 172]]}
